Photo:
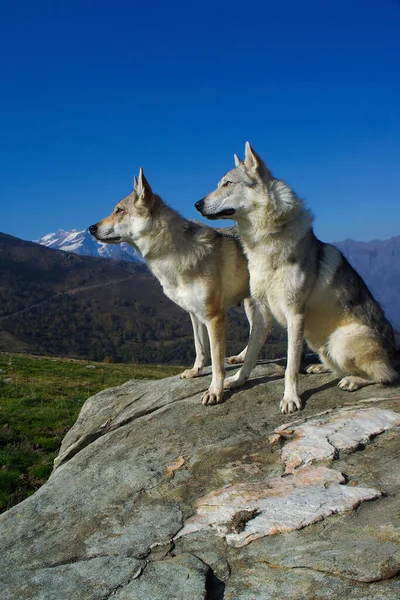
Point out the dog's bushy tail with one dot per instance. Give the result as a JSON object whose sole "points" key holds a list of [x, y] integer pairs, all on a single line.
{"points": [[383, 372]]}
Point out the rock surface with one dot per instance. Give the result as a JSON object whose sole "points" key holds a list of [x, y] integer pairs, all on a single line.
{"points": [[156, 497]]}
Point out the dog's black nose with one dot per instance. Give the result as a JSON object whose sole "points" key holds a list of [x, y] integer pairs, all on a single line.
{"points": [[93, 229], [199, 205]]}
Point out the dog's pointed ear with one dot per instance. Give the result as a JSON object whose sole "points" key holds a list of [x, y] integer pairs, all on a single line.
{"points": [[237, 160], [251, 159], [254, 164], [145, 196], [135, 183], [143, 187]]}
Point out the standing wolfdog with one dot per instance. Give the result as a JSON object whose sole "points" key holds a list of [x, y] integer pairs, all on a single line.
{"points": [[204, 271], [307, 285]]}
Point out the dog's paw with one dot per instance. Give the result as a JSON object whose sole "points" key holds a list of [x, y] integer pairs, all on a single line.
{"points": [[211, 397], [235, 360], [190, 373], [319, 368], [233, 382], [290, 404], [349, 383]]}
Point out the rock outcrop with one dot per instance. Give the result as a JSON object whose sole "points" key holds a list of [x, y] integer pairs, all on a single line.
{"points": [[156, 497]]}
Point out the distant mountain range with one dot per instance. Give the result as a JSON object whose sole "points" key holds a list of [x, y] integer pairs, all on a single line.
{"points": [[84, 244], [378, 262]]}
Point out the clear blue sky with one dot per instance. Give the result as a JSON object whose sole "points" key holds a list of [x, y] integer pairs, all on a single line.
{"points": [[90, 91]]}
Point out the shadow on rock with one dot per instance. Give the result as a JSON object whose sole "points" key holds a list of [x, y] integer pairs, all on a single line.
{"points": [[305, 396], [215, 587]]}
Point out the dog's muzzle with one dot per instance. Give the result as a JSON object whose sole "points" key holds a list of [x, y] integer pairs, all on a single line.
{"points": [[199, 205], [93, 229], [228, 212]]}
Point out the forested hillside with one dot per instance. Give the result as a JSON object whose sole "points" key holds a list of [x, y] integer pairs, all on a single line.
{"points": [[53, 302]]}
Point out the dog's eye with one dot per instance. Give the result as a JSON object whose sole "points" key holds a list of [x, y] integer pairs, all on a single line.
{"points": [[227, 183], [119, 210]]}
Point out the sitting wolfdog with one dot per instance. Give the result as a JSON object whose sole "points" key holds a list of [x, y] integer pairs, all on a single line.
{"points": [[307, 285], [204, 271]]}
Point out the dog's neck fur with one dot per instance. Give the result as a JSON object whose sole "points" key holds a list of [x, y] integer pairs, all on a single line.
{"points": [[173, 242], [277, 217]]}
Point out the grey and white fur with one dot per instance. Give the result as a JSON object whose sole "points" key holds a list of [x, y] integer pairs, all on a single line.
{"points": [[307, 285]]}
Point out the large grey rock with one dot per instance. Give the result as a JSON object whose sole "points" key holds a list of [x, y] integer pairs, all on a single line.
{"points": [[180, 578], [155, 496]]}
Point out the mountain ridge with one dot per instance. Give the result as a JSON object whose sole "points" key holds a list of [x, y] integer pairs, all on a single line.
{"points": [[378, 263], [82, 243]]}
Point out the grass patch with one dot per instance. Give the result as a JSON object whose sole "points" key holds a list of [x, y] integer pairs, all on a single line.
{"points": [[40, 399]]}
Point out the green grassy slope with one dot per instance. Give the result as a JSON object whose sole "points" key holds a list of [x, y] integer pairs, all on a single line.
{"points": [[40, 399]]}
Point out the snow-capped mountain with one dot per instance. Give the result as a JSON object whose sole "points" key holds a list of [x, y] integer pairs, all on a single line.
{"points": [[81, 242]]}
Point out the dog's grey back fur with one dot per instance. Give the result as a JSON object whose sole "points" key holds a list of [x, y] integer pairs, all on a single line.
{"points": [[352, 294], [351, 291], [355, 296]]}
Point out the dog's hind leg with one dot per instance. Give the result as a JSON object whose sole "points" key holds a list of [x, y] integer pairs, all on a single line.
{"points": [[358, 352], [295, 327], [327, 364], [216, 334], [379, 371], [351, 383], [249, 310], [202, 348], [323, 367], [261, 323], [319, 368]]}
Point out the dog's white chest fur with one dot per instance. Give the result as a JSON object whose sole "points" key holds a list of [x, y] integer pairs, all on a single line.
{"points": [[268, 288], [190, 297], [189, 294], [274, 283]]}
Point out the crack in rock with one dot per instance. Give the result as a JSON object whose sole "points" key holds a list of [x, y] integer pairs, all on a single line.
{"points": [[160, 580], [387, 577]]}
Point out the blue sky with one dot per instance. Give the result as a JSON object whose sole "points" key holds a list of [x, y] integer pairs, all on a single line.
{"points": [[90, 91]]}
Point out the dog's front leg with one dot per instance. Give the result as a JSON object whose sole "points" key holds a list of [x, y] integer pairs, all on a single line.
{"points": [[202, 347], [216, 333], [249, 309], [295, 328], [260, 326]]}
